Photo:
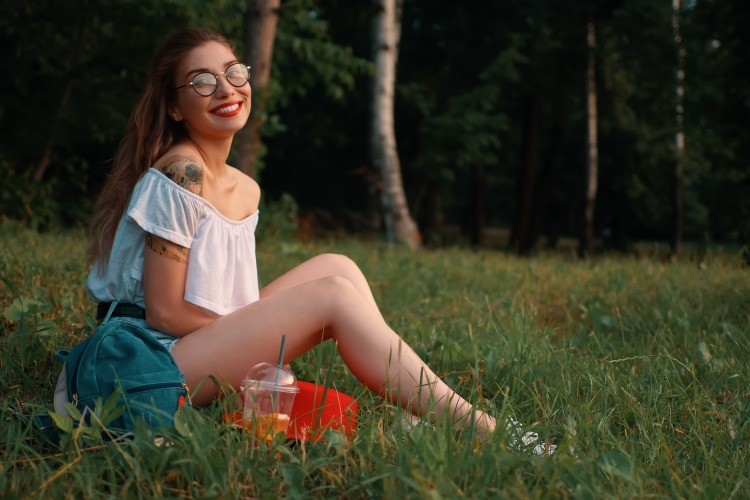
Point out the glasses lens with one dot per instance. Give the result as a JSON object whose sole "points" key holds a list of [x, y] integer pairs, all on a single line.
{"points": [[237, 74], [204, 83]]}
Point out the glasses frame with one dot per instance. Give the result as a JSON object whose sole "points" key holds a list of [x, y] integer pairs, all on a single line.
{"points": [[191, 83]]}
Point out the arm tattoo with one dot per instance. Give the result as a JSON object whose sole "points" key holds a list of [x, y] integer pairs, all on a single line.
{"points": [[166, 248], [184, 173]]}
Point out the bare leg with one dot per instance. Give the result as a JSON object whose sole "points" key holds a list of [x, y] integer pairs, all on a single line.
{"points": [[322, 266], [317, 306]]}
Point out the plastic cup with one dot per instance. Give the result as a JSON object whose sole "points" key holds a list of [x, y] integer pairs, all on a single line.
{"points": [[269, 392]]}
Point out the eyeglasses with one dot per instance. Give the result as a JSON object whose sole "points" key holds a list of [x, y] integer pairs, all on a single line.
{"points": [[205, 83]]}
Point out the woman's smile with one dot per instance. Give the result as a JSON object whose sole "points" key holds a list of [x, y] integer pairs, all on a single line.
{"points": [[226, 110]]}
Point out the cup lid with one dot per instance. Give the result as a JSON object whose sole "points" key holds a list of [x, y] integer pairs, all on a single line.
{"points": [[269, 387], [271, 376]]}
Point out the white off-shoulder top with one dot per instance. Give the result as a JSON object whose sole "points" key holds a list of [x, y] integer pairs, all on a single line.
{"points": [[222, 274]]}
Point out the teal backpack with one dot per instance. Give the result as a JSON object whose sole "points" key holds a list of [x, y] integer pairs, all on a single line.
{"points": [[121, 356]]}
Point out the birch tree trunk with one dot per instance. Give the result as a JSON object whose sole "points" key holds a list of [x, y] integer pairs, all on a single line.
{"points": [[678, 208], [260, 32], [399, 224], [586, 248]]}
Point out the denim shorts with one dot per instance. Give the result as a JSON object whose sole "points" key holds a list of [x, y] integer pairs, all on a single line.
{"points": [[164, 339]]}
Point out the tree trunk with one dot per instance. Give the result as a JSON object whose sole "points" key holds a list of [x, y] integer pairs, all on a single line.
{"points": [[586, 248], [399, 224], [678, 209], [524, 234], [260, 32]]}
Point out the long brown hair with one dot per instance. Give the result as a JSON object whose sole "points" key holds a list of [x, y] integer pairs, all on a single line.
{"points": [[151, 132]]}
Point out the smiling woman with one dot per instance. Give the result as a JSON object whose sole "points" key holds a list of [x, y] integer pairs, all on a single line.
{"points": [[182, 252]]}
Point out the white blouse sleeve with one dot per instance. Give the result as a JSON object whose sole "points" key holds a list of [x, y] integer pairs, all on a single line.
{"points": [[222, 273], [163, 208]]}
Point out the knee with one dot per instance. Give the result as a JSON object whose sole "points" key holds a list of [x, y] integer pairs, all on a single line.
{"points": [[339, 265], [336, 291], [335, 284]]}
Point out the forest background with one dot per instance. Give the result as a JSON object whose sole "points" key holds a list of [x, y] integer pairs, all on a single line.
{"points": [[490, 112]]}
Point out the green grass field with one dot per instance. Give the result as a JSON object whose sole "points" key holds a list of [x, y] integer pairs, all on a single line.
{"points": [[635, 367]]}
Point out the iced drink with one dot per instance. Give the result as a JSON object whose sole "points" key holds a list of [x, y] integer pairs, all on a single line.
{"points": [[269, 392]]}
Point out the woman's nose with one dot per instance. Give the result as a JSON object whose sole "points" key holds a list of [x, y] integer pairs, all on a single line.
{"points": [[223, 87]]}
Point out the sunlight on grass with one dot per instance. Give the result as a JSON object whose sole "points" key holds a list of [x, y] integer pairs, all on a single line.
{"points": [[635, 368]]}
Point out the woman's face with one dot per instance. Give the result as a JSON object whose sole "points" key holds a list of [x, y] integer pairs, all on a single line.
{"points": [[222, 113]]}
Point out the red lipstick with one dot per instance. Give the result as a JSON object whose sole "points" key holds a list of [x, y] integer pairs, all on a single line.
{"points": [[227, 109]]}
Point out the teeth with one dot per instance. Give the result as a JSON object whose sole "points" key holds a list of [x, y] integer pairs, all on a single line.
{"points": [[227, 109]]}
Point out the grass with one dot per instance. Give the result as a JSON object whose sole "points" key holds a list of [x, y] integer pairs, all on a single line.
{"points": [[635, 367]]}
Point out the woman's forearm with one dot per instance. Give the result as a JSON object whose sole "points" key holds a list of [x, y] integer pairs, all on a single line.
{"points": [[177, 319]]}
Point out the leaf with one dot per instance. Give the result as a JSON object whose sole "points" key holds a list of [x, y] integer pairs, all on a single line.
{"points": [[62, 422], [73, 411], [185, 421], [20, 308], [618, 464], [112, 401], [46, 328], [336, 440], [294, 478], [112, 408], [607, 321]]}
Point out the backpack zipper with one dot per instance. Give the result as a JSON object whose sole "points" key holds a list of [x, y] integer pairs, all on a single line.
{"points": [[154, 386], [187, 393], [74, 382], [149, 387]]}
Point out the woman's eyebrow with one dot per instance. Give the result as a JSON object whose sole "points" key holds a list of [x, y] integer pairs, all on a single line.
{"points": [[206, 70]]}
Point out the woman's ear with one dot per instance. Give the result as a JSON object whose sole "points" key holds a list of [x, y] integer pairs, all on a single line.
{"points": [[174, 113]]}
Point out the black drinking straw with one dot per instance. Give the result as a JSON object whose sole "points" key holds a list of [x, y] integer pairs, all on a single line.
{"points": [[279, 366], [281, 353]]}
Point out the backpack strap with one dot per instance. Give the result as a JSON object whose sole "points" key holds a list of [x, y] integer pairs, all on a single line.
{"points": [[62, 355]]}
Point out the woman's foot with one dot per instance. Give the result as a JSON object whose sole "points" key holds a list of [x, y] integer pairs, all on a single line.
{"points": [[484, 426]]}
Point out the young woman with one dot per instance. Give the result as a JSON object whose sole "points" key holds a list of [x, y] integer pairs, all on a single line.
{"points": [[173, 242]]}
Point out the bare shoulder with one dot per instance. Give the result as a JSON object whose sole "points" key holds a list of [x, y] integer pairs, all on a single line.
{"points": [[249, 190], [183, 171]]}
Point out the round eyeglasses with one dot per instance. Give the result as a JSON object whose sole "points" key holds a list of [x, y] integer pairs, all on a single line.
{"points": [[205, 83]]}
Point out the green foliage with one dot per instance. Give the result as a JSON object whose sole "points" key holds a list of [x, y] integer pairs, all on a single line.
{"points": [[33, 335], [465, 74], [315, 131], [41, 300], [279, 220], [308, 59], [77, 69], [634, 366]]}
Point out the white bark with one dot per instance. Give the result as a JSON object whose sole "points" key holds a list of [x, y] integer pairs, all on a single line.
{"points": [[679, 138], [386, 34], [592, 144]]}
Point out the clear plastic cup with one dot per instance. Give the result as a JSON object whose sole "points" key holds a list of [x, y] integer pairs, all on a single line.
{"points": [[269, 392]]}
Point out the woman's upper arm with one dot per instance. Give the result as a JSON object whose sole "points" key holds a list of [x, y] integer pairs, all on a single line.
{"points": [[164, 275], [165, 265]]}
